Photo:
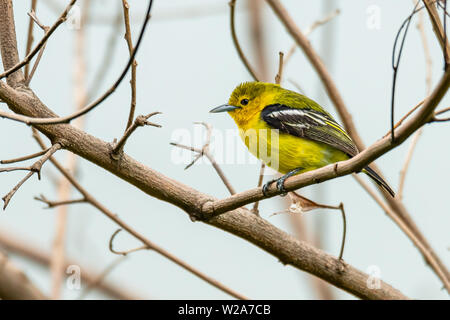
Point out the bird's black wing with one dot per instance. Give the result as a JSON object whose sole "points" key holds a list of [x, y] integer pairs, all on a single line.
{"points": [[310, 124]]}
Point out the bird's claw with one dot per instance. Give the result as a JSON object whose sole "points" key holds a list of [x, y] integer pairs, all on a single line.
{"points": [[266, 186], [280, 187]]}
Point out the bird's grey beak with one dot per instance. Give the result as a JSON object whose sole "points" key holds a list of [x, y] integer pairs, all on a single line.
{"points": [[224, 108]]}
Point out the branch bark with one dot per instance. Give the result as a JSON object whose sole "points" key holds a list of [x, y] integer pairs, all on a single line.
{"points": [[14, 284], [10, 242]]}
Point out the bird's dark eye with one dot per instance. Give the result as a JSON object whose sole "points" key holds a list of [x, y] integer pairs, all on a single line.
{"points": [[244, 102]]}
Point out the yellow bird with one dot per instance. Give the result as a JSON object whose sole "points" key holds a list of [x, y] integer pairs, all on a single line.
{"points": [[307, 137]]}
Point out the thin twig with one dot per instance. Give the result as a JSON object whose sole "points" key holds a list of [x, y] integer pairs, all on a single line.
{"points": [[34, 168], [140, 121], [126, 17], [280, 68], [410, 112], [396, 62], [30, 37], [407, 161], [7, 198], [434, 119], [31, 156], [244, 60], [441, 111], [109, 51], [255, 209], [438, 28], [204, 151], [53, 204], [123, 253], [428, 79], [34, 18], [41, 43], [310, 29]]}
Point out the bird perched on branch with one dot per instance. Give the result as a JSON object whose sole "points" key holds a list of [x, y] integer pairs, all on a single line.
{"points": [[307, 137]]}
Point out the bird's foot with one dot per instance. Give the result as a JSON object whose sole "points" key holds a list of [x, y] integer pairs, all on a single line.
{"points": [[266, 186], [280, 183]]}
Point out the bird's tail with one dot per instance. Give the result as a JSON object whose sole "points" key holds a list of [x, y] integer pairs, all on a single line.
{"points": [[378, 180]]}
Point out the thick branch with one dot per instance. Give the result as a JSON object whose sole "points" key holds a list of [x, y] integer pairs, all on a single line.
{"points": [[8, 43], [14, 284], [10, 242]]}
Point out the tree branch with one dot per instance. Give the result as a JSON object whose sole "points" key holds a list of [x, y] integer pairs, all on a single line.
{"points": [[14, 284], [10, 242]]}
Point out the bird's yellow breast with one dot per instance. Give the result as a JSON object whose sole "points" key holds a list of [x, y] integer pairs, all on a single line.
{"points": [[284, 152]]}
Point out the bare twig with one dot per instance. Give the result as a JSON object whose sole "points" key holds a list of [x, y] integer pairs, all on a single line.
{"points": [[434, 119], [244, 60], [30, 37], [31, 156], [428, 78], [140, 121], [396, 61], [7, 198], [406, 163], [310, 29], [410, 112], [441, 111], [41, 43], [280, 69], [204, 151], [108, 55], [123, 253], [28, 78], [52, 204], [34, 168], [126, 16], [438, 28], [255, 209]]}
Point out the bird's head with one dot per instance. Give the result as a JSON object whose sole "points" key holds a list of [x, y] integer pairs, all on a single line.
{"points": [[248, 99]]}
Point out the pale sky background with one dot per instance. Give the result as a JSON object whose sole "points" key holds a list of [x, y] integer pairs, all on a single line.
{"points": [[187, 64]]}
